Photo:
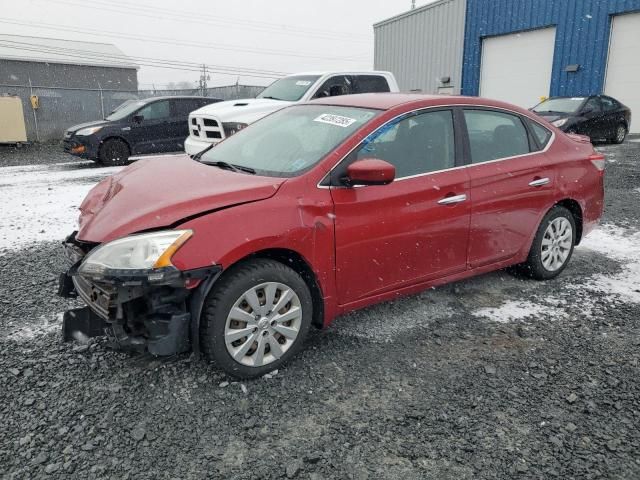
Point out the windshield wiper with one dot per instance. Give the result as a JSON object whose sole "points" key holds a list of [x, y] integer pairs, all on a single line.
{"points": [[199, 155], [273, 98], [230, 166]]}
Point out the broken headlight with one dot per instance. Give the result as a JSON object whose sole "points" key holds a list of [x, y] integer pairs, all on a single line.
{"points": [[136, 252]]}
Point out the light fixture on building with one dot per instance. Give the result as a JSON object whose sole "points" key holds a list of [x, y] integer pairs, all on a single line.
{"points": [[572, 68]]}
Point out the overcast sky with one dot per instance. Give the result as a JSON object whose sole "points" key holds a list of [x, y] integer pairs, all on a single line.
{"points": [[267, 36]]}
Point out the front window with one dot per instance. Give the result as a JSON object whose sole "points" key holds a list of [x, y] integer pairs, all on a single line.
{"points": [[126, 110], [560, 105], [290, 141], [290, 89]]}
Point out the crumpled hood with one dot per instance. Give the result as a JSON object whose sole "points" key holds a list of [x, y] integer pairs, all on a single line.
{"points": [[80, 126], [160, 192], [244, 111]]}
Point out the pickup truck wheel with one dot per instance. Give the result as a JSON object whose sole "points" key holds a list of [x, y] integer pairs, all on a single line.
{"points": [[552, 246], [256, 318], [113, 152]]}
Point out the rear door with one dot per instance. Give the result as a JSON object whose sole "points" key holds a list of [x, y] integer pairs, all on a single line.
{"points": [[179, 121], [414, 229], [512, 183]]}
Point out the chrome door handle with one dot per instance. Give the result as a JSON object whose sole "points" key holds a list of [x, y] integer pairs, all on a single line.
{"points": [[540, 182], [453, 200]]}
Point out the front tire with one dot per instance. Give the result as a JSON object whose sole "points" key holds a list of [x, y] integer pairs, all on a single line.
{"points": [[256, 318], [552, 246], [114, 152]]}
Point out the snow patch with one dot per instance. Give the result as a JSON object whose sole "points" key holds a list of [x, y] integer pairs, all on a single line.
{"points": [[40, 202], [515, 310], [45, 325], [623, 246]]}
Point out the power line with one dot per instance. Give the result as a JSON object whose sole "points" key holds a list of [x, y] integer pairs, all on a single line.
{"points": [[167, 41], [58, 50], [156, 12], [123, 64]]}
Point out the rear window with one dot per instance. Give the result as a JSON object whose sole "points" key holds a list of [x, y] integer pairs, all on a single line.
{"points": [[370, 84]]}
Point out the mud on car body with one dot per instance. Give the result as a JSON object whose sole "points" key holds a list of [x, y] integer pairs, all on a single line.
{"points": [[320, 209]]}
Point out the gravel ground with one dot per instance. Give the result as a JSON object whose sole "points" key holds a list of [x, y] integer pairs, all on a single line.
{"points": [[494, 377]]}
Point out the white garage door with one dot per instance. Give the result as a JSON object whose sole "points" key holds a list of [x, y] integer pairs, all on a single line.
{"points": [[517, 68], [623, 70]]}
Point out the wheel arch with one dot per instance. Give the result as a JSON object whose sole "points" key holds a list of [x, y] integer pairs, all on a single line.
{"points": [[299, 264], [114, 137], [576, 210]]}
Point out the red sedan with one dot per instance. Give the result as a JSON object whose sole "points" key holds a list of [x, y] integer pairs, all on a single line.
{"points": [[320, 209]]}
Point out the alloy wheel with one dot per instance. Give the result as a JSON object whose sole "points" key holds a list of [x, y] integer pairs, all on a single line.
{"points": [[263, 324], [621, 134], [556, 244]]}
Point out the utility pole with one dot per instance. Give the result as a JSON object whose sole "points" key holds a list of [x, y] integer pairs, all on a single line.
{"points": [[413, 4], [203, 80]]}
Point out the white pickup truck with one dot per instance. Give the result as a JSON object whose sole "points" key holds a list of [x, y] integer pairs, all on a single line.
{"points": [[213, 123]]}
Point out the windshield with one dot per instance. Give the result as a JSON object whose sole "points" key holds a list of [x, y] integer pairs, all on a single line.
{"points": [[290, 89], [125, 111], [560, 105], [290, 141]]}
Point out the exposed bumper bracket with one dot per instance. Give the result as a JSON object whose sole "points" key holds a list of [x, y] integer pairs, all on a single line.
{"points": [[82, 323]]}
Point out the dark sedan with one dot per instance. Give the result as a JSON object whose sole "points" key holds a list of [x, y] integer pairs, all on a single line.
{"points": [[599, 117], [154, 125]]}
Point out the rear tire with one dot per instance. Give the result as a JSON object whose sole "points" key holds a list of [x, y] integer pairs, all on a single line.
{"points": [[241, 330], [621, 134], [113, 152], [552, 246]]}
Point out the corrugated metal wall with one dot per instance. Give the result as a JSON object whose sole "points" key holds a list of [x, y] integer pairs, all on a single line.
{"points": [[582, 37], [422, 45]]}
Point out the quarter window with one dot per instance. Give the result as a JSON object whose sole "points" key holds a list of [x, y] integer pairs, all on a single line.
{"points": [[494, 135], [542, 134], [418, 144]]}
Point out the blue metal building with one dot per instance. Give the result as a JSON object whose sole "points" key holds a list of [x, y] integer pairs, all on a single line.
{"points": [[522, 50], [583, 30]]}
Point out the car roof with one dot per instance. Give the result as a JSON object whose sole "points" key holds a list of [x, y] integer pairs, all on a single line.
{"points": [[388, 101]]}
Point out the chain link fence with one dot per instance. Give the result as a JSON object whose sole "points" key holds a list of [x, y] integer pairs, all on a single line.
{"points": [[60, 107]]}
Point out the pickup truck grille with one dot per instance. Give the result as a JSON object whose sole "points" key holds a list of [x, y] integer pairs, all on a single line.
{"points": [[206, 128]]}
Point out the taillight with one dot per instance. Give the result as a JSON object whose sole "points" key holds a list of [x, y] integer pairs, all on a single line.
{"points": [[598, 161]]}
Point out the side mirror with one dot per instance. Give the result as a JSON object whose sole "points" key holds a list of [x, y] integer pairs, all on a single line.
{"points": [[138, 119], [370, 171], [587, 110]]}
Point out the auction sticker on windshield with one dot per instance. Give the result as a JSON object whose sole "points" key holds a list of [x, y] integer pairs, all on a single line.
{"points": [[336, 120], [303, 83]]}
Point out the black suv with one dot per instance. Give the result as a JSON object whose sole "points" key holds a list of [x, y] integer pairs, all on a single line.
{"points": [[154, 125], [599, 117]]}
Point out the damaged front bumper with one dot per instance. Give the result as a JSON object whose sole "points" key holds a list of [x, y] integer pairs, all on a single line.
{"points": [[156, 311]]}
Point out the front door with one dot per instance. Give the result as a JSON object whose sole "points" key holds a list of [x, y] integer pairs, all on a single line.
{"points": [[412, 230], [152, 133], [512, 184]]}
